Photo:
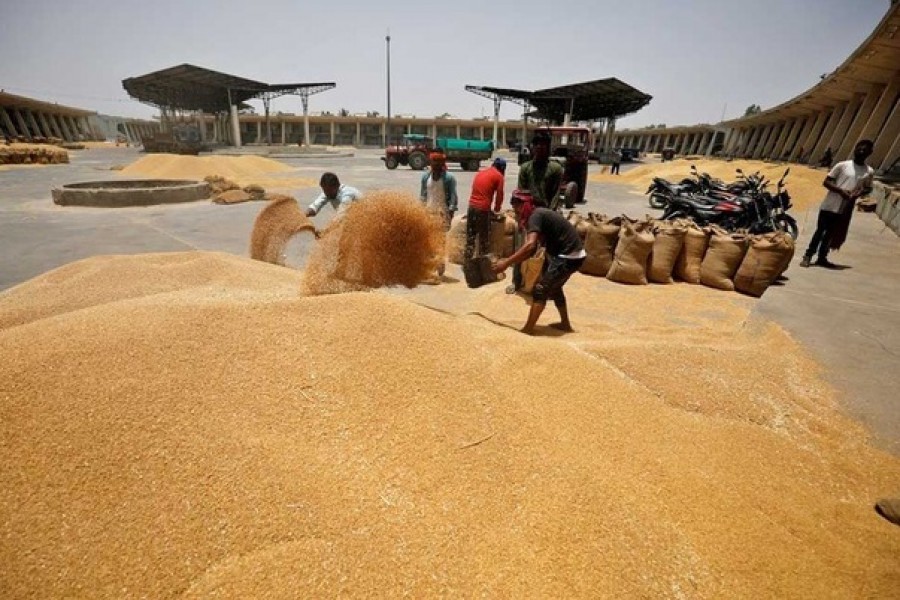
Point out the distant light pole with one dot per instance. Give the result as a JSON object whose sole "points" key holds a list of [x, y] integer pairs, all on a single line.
{"points": [[387, 131]]}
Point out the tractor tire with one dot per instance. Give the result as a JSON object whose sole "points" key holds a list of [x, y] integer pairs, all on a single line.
{"points": [[417, 161], [391, 162]]}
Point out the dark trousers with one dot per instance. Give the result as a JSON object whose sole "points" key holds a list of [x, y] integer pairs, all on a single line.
{"points": [[821, 239], [478, 227], [614, 169]]}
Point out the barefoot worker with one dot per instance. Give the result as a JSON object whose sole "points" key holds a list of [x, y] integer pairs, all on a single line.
{"points": [[564, 255]]}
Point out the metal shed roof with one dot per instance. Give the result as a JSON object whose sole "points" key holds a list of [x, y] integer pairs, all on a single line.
{"points": [[188, 87], [587, 101]]}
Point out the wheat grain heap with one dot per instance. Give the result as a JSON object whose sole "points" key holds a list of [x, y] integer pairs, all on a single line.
{"points": [[244, 170], [187, 424]]}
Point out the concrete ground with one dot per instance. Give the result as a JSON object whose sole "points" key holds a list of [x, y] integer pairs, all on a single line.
{"points": [[848, 318]]}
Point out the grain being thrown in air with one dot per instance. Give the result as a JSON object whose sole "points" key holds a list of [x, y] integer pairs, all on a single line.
{"points": [[386, 239], [275, 226]]}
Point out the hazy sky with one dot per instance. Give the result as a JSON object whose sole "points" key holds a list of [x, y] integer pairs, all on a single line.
{"points": [[693, 56]]}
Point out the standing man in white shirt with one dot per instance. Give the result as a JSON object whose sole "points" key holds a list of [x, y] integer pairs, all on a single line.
{"points": [[846, 182], [333, 192]]}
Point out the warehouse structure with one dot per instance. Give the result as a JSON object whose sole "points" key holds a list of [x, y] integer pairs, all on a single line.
{"points": [[28, 119], [859, 100]]}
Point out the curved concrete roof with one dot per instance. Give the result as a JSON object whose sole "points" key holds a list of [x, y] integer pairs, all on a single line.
{"points": [[875, 62]]}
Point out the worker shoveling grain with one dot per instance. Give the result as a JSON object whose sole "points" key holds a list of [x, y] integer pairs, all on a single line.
{"points": [[388, 238], [186, 425]]}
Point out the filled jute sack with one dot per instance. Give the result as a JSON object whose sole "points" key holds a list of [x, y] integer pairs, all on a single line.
{"points": [[765, 260], [501, 242], [580, 223], [687, 265], [531, 270], [667, 244], [629, 264], [723, 257], [502, 230], [601, 237]]}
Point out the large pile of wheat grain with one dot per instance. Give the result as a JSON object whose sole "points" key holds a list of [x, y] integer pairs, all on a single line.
{"points": [[244, 170], [185, 424]]}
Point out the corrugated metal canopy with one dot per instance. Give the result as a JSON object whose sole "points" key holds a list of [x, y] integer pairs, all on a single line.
{"points": [[188, 87], [587, 101]]}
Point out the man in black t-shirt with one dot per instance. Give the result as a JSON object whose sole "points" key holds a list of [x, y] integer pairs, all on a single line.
{"points": [[563, 256]]}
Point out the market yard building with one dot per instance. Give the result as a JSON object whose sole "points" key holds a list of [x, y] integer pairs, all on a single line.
{"points": [[858, 100], [29, 119]]}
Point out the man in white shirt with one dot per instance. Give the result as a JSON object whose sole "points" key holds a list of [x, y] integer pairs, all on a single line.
{"points": [[333, 192], [846, 182]]}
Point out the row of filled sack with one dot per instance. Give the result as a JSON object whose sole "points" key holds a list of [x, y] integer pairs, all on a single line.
{"points": [[646, 251], [651, 250]]}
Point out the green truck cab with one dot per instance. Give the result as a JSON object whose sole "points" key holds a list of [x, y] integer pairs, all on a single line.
{"points": [[413, 150]]}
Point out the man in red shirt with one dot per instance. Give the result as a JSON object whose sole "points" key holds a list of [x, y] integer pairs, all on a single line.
{"points": [[487, 187]]}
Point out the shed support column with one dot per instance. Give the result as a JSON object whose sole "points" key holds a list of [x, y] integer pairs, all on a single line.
{"points": [[886, 138], [7, 123], [862, 117], [825, 138], [840, 132], [885, 104], [23, 127]]}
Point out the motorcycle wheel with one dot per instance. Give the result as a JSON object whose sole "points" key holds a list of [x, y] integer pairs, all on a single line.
{"points": [[787, 224], [657, 201], [675, 214]]}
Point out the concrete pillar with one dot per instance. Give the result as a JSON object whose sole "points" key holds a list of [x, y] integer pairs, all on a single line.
{"points": [[800, 148], [457, 131], [885, 104], [331, 131], [68, 134], [862, 117], [825, 137], [892, 156], [765, 146], [35, 128], [746, 148], [49, 126], [23, 127], [777, 131], [712, 142], [73, 132], [791, 142], [817, 133], [778, 148], [235, 126], [761, 141], [7, 122], [886, 138], [283, 132], [843, 126]]}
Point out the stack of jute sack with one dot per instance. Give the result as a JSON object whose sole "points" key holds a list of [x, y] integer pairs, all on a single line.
{"points": [[646, 251], [32, 154]]}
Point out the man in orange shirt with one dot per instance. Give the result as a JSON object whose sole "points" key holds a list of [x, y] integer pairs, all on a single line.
{"points": [[487, 187]]}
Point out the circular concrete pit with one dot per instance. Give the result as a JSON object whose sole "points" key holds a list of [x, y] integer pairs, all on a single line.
{"points": [[139, 192]]}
